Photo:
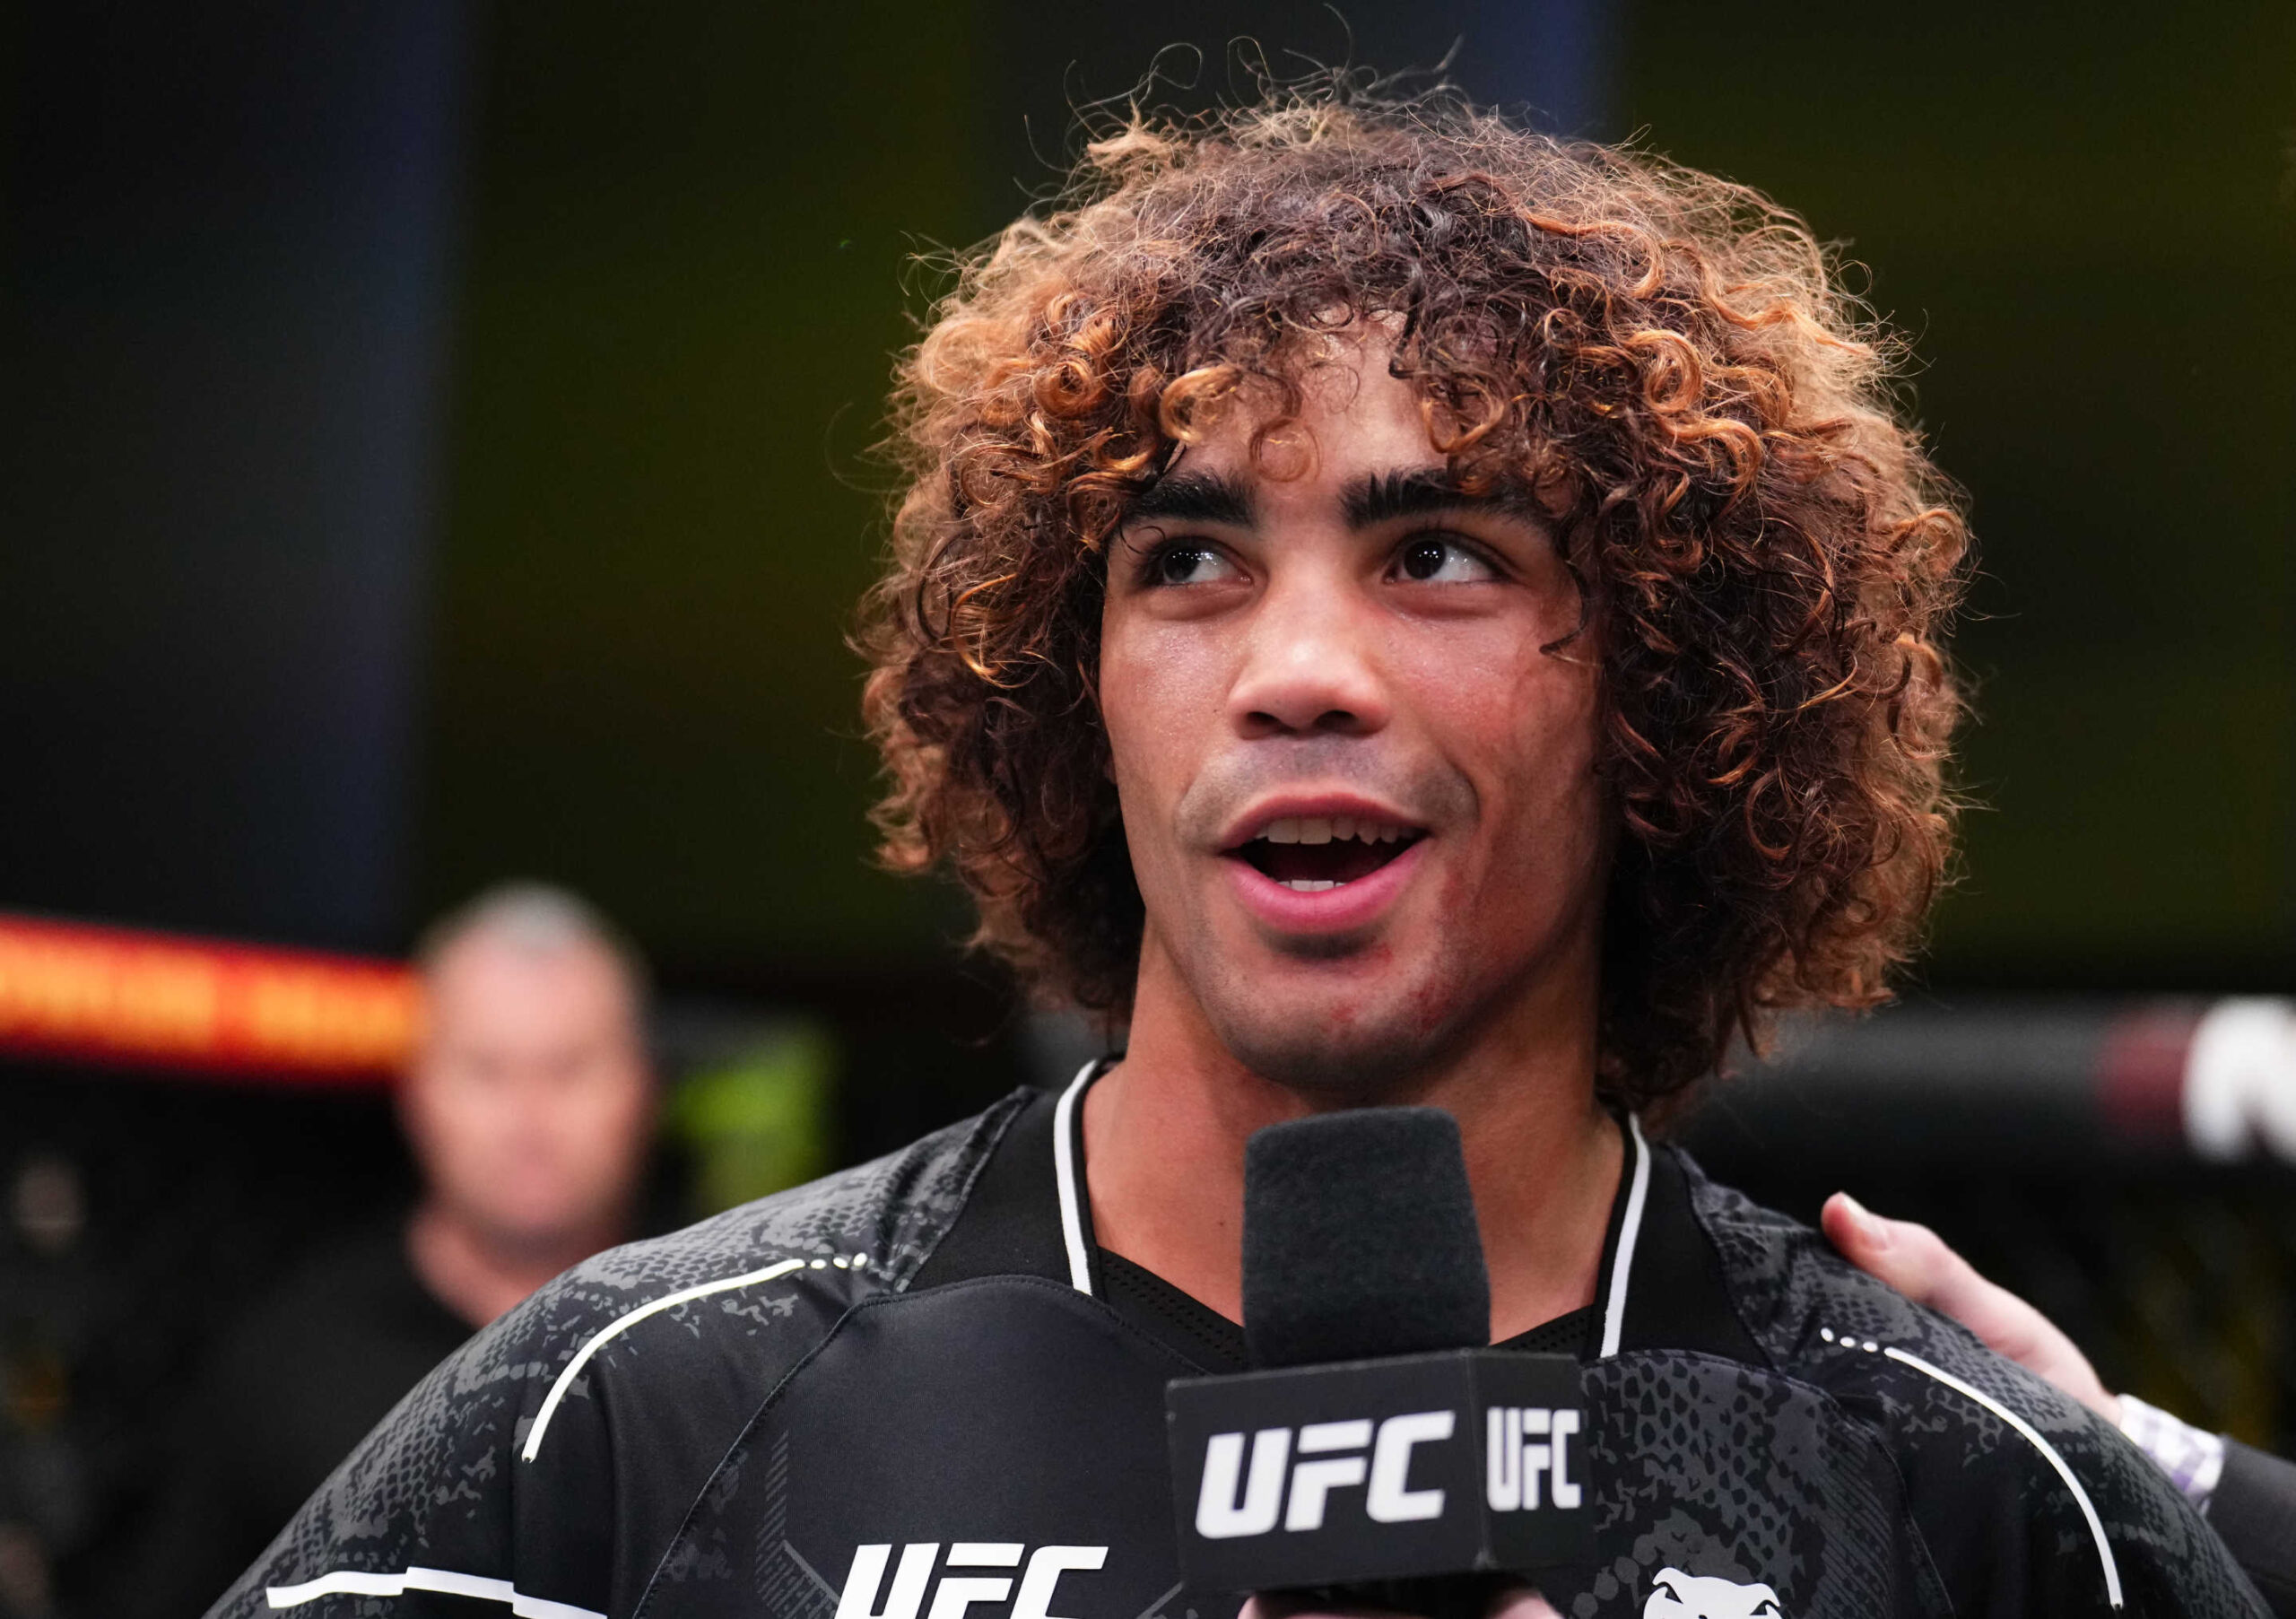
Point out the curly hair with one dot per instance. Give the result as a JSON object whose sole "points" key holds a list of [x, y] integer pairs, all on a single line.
{"points": [[1667, 361]]}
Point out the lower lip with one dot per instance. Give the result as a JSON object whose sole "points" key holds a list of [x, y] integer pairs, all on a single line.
{"points": [[1331, 911]]}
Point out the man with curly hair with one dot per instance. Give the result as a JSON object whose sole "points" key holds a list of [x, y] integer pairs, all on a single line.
{"points": [[1387, 608]]}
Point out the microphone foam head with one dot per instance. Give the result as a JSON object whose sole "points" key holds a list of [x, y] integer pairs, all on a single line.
{"points": [[1359, 1239]]}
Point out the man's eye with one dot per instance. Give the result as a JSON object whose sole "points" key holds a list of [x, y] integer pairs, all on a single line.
{"points": [[1433, 561], [1187, 563]]}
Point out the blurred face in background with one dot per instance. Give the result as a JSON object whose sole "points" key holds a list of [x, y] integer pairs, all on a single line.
{"points": [[530, 1104]]}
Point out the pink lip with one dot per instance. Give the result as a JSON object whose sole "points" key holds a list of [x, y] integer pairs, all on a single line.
{"points": [[1334, 910]]}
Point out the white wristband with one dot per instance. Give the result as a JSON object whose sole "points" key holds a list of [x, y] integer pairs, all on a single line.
{"points": [[2194, 1460]]}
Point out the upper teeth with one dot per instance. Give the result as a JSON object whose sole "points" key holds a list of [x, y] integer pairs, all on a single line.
{"points": [[1324, 829]]}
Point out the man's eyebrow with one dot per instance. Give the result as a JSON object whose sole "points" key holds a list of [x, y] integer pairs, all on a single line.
{"points": [[1192, 497], [1384, 497]]}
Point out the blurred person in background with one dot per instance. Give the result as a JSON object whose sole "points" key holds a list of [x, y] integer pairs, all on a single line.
{"points": [[529, 1108]]}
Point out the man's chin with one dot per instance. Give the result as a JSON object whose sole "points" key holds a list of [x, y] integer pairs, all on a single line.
{"points": [[1344, 1059]]}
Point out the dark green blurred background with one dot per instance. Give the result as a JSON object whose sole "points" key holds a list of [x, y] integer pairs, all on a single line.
{"points": [[688, 262]]}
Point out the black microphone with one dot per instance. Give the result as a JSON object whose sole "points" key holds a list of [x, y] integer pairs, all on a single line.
{"points": [[1360, 1239], [1377, 1456]]}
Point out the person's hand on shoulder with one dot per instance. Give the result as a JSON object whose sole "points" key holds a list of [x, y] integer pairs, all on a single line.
{"points": [[2249, 1496], [1916, 1262]]}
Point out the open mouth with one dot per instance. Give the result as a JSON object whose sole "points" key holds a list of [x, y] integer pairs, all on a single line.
{"points": [[1310, 854]]}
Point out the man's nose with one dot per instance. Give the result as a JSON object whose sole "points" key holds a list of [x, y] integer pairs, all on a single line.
{"points": [[1309, 666]]}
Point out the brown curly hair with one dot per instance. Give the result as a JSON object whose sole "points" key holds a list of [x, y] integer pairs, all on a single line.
{"points": [[1667, 361]]}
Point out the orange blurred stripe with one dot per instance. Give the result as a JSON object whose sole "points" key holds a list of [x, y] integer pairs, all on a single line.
{"points": [[114, 995]]}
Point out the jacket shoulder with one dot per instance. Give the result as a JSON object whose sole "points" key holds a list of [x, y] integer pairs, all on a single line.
{"points": [[567, 1438], [2021, 1493], [1789, 1285]]}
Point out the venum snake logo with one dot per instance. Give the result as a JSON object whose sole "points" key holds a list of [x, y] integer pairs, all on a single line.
{"points": [[1674, 1595]]}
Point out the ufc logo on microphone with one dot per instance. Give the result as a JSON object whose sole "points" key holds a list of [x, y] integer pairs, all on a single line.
{"points": [[1233, 1503], [953, 1594], [1524, 1444]]}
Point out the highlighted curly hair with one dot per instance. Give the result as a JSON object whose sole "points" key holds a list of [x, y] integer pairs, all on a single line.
{"points": [[1668, 362]]}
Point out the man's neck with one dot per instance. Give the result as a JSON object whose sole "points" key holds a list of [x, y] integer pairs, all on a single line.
{"points": [[478, 1279], [1164, 1135]]}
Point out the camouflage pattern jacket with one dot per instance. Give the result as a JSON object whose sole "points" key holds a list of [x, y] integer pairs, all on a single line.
{"points": [[918, 1390]]}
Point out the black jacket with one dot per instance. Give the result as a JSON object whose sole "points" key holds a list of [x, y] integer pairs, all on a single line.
{"points": [[903, 1393]]}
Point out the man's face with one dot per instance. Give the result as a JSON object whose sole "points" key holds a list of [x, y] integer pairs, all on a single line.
{"points": [[530, 1103], [1360, 800]]}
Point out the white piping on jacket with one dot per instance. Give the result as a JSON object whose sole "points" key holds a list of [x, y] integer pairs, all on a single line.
{"points": [[1629, 1228], [2048, 1451], [623, 1322], [352, 1582], [1063, 1169]]}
